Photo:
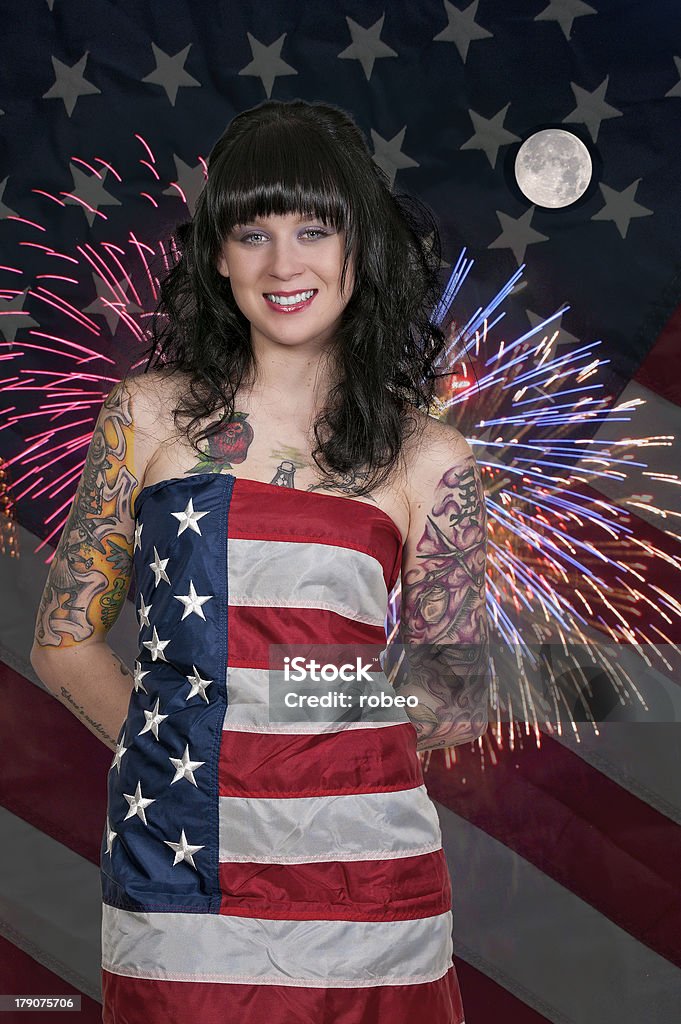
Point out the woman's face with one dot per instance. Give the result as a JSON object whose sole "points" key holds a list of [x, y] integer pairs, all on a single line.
{"points": [[273, 263]]}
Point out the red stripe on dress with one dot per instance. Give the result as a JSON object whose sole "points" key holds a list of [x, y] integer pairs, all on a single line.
{"points": [[395, 889], [251, 630], [309, 517], [349, 761], [136, 999], [579, 827]]}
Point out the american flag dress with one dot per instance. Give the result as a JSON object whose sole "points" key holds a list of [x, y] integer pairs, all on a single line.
{"points": [[256, 871]]}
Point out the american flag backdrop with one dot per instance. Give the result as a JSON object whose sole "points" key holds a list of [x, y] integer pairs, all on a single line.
{"points": [[566, 857]]}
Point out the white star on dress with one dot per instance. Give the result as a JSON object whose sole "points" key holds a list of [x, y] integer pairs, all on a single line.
{"points": [[366, 45], [120, 750], [620, 207], [138, 537], [69, 83], [156, 647], [110, 836], [184, 768], [199, 685], [139, 676], [189, 519], [183, 851], [192, 602], [153, 720], [267, 63], [170, 72], [158, 567], [138, 803], [462, 28], [143, 611]]}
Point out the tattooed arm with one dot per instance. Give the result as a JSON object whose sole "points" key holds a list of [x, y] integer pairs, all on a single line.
{"points": [[90, 573], [444, 629]]}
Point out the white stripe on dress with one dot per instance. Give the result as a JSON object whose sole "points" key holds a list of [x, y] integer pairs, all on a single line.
{"points": [[286, 574], [304, 830], [244, 950]]}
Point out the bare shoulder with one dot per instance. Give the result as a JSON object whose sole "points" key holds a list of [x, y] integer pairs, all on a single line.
{"points": [[434, 449], [152, 396], [151, 399]]}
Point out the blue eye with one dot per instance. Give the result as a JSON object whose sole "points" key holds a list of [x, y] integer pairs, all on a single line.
{"points": [[248, 239]]}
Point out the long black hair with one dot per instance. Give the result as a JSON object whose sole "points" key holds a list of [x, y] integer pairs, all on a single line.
{"points": [[300, 157]]}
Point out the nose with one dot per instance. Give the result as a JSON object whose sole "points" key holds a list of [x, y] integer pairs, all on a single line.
{"points": [[285, 259]]}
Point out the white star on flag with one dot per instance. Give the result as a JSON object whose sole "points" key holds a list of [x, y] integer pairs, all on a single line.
{"points": [[110, 836], [120, 750], [199, 685], [366, 45], [138, 803], [70, 82], [183, 851], [462, 28], [267, 62], [143, 612], [138, 537], [170, 72], [192, 602], [184, 768], [139, 676], [156, 647], [153, 720], [189, 519], [158, 567]]}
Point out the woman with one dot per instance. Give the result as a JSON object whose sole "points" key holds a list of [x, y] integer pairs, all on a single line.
{"points": [[263, 861]]}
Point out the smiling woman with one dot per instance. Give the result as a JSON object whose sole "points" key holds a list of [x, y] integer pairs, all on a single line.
{"points": [[287, 249], [258, 867]]}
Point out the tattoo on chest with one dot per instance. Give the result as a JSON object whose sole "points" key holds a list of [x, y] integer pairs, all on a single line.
{"points": [[228, 447]]}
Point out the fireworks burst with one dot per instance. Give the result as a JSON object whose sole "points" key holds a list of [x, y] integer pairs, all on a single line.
{"points": [[568, 570]]}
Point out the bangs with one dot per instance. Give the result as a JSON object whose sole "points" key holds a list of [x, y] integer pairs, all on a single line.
{"points": [[282, 169]]}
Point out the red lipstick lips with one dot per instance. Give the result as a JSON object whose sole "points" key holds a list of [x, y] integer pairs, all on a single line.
{"points": [[279, 308]]}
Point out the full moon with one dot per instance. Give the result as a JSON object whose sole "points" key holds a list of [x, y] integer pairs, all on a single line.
{"points": [[553, 168]]}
